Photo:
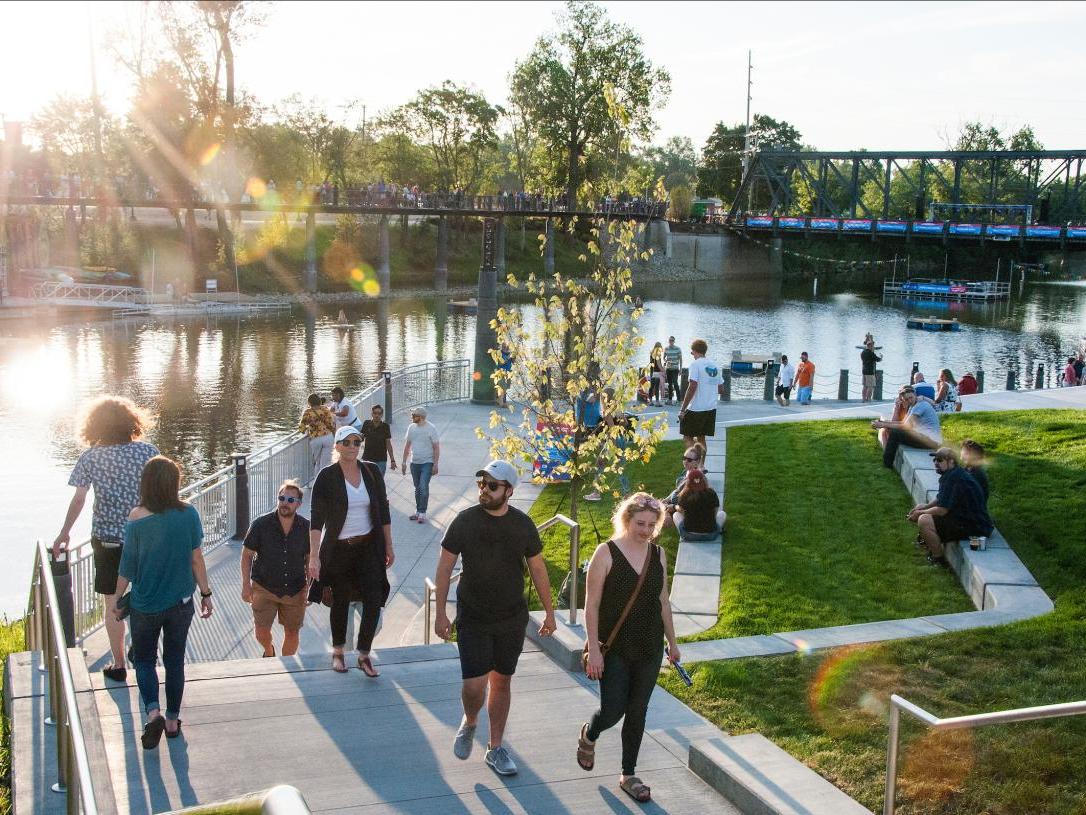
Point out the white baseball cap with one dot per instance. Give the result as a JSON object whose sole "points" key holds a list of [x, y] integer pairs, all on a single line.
{"points": [[345, 431], [500, 471]]}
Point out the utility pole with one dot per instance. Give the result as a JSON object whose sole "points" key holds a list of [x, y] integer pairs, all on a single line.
{"points": [[746, 135], [96, 104]]}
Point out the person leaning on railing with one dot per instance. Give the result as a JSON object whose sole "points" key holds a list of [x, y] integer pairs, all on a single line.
{"points": [[164, 564], [112, 427]]}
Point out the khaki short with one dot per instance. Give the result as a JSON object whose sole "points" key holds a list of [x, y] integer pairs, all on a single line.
{"points": [[869, 380], [290, 609]]}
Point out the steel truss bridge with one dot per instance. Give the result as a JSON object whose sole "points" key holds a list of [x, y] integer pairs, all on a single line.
{"points": [[903, 185]]}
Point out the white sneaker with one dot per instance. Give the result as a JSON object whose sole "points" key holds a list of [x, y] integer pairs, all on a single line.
{"points": [[592, 496], [421, 518]]}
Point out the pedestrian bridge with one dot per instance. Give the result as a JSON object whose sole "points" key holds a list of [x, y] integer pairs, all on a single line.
{"points": [[89, 295]]}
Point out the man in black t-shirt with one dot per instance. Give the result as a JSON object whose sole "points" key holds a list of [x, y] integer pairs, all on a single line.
{"points": [[378, 440], [868, 360], [494, 541]]}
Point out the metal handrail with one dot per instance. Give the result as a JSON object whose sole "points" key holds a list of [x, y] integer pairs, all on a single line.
{"points": [[574, 557], [45, 632], [1022, 714]]}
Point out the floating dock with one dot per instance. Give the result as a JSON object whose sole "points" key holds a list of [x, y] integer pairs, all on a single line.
{"points": [[919, 288]]}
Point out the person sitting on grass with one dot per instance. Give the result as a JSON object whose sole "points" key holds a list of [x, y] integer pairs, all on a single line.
{"points": [[972, 457], [957, 512], [699, 516], [919, 428]]}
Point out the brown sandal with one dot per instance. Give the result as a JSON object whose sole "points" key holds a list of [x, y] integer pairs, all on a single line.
{"points": [[586, 750], [636, 789], [338, 665], [366, 666]]}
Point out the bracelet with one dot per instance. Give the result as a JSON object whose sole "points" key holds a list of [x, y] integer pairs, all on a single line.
{"points": [[206, 595]]}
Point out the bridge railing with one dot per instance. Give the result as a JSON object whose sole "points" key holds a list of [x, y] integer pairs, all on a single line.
{"points": [[89, 292], [216, 496]]}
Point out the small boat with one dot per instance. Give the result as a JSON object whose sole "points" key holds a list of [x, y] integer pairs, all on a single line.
{"points": [[752, 363], [933, 324], [469, 306]]}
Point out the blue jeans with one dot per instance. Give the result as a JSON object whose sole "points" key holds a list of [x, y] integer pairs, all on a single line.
{"points": [[380, 465], [420, 474], [173, 624], [804, 395], [697, 537]]}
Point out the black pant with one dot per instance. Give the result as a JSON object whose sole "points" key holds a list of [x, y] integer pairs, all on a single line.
{"points": [[625, 688], [672, 383], [896, 437], [337, 618]]}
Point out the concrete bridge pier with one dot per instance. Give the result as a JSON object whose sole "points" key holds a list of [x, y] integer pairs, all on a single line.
{"points": [[728, 255], [190, 236], [548, 249], [441, 267], [311, 252], [482, 386], [384, 266]]}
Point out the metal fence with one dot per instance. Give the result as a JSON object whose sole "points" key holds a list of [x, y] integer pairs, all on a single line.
{"points": [[216, 497]]}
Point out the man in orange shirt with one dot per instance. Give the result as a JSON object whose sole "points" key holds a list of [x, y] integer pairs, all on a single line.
{"points": [[804, 379]]}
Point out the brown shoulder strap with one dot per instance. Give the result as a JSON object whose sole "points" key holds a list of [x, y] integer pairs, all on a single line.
{"points": [[633, 598]]}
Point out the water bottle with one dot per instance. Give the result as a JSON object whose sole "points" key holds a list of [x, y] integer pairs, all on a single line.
{"points": [[683, 674]]}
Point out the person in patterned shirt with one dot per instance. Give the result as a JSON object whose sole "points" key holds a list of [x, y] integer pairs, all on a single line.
{"points": [[319, 425], [111, 427]]}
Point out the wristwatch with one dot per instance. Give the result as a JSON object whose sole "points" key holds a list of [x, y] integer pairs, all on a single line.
{"points": [[206, 594]]}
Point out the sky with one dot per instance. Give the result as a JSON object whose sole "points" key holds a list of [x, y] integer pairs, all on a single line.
{"points": [[848, 75]]}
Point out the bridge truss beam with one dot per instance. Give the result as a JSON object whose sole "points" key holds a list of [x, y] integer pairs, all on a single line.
{"points": [[901, 184]]}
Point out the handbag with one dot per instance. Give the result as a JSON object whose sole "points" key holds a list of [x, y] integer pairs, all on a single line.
{"points": [[605, 647]]}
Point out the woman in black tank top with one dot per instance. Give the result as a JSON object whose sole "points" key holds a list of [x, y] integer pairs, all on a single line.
{"points": [[627, 671]]}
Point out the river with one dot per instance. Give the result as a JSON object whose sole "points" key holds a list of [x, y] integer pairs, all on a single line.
{"points": [[236, 384]]}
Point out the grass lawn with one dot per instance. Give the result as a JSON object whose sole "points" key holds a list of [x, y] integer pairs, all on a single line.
{"points": [[815, 535], [830, 709], [11, 641]]}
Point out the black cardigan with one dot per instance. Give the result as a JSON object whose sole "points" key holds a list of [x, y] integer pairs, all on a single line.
{"points": [[329, 501]]}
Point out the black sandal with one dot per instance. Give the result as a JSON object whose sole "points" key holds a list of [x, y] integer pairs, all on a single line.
{"points": [[152, 733]]}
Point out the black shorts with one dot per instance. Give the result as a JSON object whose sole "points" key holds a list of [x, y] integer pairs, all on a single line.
{"points": [[698, 423], [783, 391], [107, 563], [486, 648], [949, 529]]}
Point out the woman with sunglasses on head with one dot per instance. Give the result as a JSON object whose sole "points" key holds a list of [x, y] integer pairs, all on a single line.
{"points": [[350, 508], [162, 561], [628, 566]]}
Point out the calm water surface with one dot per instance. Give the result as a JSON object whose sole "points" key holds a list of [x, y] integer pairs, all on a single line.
{"points": [[236, 384]]}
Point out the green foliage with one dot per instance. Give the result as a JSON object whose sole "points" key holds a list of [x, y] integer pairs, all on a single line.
{"points": [[721, 170], [11, 641], [676, 162], [830, 709], [582, 349], [682, 198], [584, 89]]}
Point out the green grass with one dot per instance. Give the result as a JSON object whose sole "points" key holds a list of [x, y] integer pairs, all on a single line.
{"points": [[829, 709], [11, 641], [815, 535], [657, 477]]}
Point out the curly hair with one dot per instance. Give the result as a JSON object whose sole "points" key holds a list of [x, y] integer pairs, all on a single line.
{"points": [[112, 420]]}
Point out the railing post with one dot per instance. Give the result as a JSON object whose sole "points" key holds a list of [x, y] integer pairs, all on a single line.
{"points": [[1039, 379], [878, 384], [842, 386], [770, 377], [891, 761], [574, 569], [980, 380], [1010, 380], [726, 380], [241, 495], [388, 395], [427, 615], [684, 380]]}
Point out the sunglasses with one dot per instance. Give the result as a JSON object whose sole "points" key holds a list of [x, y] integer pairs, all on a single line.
{"points": [[690, 459], [493, 486], [290, 499], [648, 503], [351, 442]]}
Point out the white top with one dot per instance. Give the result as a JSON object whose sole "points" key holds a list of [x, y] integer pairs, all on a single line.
{"points": [[351, 417], [422, 438], [786, 375], [707, 374], [358, 521]]}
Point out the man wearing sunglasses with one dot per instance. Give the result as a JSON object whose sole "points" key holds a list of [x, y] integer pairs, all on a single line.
{"points": [[273, 578], [494, 541]]}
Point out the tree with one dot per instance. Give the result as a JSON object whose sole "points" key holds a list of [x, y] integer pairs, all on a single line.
{"points": [[329, 144], [582, 344], [457, 126], [676, 162], [574, 83], [721, 170]]}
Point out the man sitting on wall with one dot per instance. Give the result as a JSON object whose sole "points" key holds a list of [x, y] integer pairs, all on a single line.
{"points": [[919, 428], [958, 510]]}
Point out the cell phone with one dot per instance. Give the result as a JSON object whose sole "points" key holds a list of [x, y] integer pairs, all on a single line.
{"points": [[684, 675]]}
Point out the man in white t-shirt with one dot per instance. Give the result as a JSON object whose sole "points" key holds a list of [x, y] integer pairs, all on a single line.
{"points": [[785, 377], [424, 447], [343, 409], [697, 416]]}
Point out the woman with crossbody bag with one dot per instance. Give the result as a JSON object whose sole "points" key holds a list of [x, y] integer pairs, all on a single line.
{"points": [[627, 617]]}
